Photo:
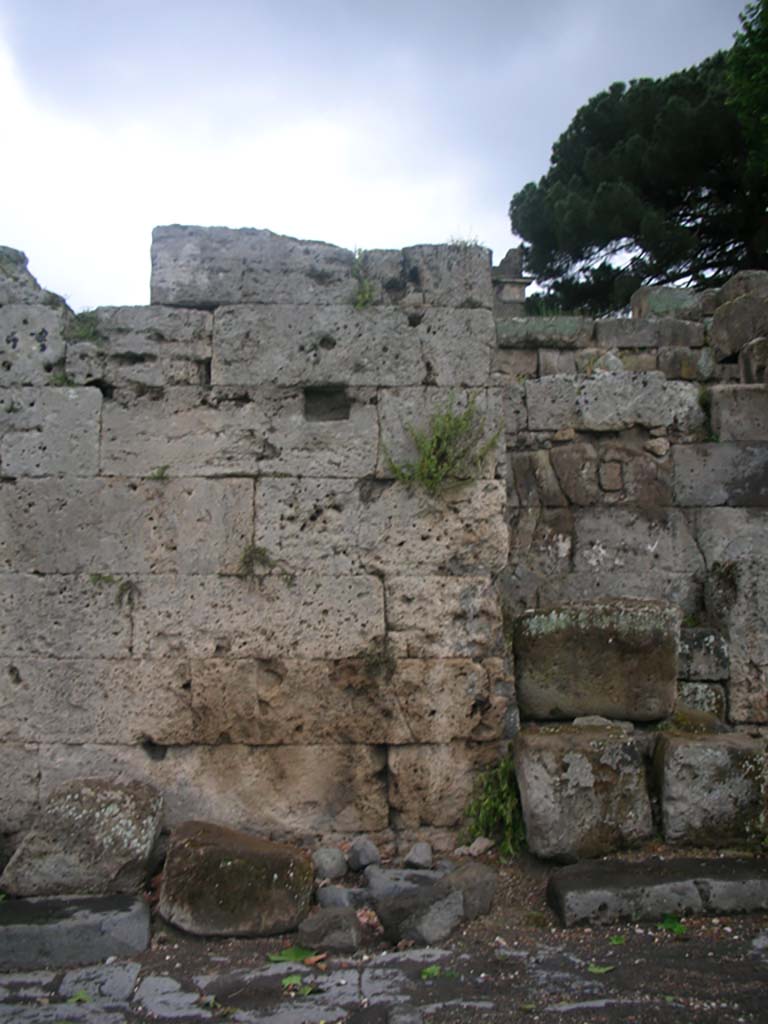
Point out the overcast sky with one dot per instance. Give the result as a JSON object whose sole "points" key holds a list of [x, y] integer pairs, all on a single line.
{"points": [[367, 123]]}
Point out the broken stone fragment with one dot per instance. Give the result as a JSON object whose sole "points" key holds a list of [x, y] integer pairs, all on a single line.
{"points": [[419, 856], [362, 853], [334, 929], [329, 862], [218, 881], [92, 838]]}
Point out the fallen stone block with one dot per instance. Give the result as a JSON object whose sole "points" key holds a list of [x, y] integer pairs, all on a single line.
{"points": [[606, 892], [612, 658], [426, 915], [61, 932], [477, 883], [362, 853], [92, 837], [714, 789], [334, 929], [740, 412], [419, 856], [583, 791], [340, 896], [329, 862], [221, 882]]}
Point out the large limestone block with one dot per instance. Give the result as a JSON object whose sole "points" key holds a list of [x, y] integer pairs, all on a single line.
{"points": [[565, 332], [152, 346], [740, 412], [728, 473], [218, 881], [431, 784], [112, 526], [744, 282], [618, 539], [681, 589], [20, 771], [647, 333], [687, 363], [49, 431], [443, 616], [92, 837], [617, 401], [195, 432], [448, 275], [64, 616], [753, 362], [73, 700], [275, 615], [402, 410], [713, 788], [583, 791], [738, 322], [31, 343], [208, 267], [376, 526], [18, 285], [612, 658], [369, 700], [278, 790], [665, 300]]}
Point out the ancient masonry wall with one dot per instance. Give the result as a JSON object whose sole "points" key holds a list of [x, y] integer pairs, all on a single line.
{"points": [[210, 580]]}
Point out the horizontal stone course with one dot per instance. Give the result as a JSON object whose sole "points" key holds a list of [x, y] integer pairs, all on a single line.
{"points": [[50, 431], [31, 343]]}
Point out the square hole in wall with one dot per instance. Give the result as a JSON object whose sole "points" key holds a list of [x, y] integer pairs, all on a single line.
{"points": [[326, 402]]}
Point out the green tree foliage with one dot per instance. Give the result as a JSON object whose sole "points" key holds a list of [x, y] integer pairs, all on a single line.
{"points": [[748, 82], [648, 184]]}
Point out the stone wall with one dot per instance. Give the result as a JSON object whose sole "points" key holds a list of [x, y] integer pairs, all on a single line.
{"points": [[211, 581]]}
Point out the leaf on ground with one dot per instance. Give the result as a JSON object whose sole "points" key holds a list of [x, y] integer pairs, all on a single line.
{"points": [[433, 971], [601, 968], [291, 980], [81, 996], [291, 955], [617, 940], [316, 960]]}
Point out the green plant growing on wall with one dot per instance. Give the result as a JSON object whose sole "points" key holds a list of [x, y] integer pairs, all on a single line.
{"points": [[366, 292], [61, 379], [127, 590], [495, 810], [254, 557], [84, 327], [159, 473], [451, 449]]}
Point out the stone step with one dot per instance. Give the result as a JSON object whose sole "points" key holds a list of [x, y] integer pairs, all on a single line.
{"points": [[605, 892], [70, 930]]}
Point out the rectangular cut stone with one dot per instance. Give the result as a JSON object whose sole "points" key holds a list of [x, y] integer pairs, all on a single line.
{"points": [[456, 274], [703, 655], [379, 526], [209, 267], [332, 788], [31, 343], [246, 433], [687, 363], [583, 791], [612, 658], [63, 616], [369, 700], [635, 540], [647, 333], [152, 346], [665, 300], [551, 402], [682, 589], [113, 526], [20, 771], [544, 331], [728, 473], [709, 697], [124, 701], [713, 788], [553, 361], [738, 322], [616, 401], [49, 431], [404, 409], [730, 534], [510, 365], [740, 412], [273, 615], [431, 784], [443, 616], [753, 362]]}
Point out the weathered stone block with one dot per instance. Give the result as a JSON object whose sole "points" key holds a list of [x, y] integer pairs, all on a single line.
{"points": [[614, 658], [556, 361], [552, 402], [658, 540], [583, 791], [31, 343], [713, 788], [567, 332], [648, 333], [275, 615], [681, 589], [728, 473], [753, 362], [237, 433], [740, 412], [738, 322], [335, 929], [218, 881], [63, 616], [744, 282], [448, 275], [380, 526], [443, 616], [664, 300], [113, 526], [707, 697], [49, 431], [703, 654], [20, 768], [616, 401], [696, 364], [432, 784], [404, 409], [534, 480], [208, 267], [18, 285], [333, 788], [512, 365], [153, 346], [92, 837]]}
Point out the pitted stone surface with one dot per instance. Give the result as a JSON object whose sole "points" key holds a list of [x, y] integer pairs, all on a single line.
{"points": [[49, 431], [31, 343]]}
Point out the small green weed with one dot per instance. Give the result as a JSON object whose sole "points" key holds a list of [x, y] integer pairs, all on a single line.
{"points": [[617, 940], [127, 590], [254, 557], [450, 450], [84, 327], [378, 660], [81, 996], [159, 473], [459, 242], [295, 985], [601, 968], [99, 579], [496, 812], [61, 379], [366, 292], [673, 924]]}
